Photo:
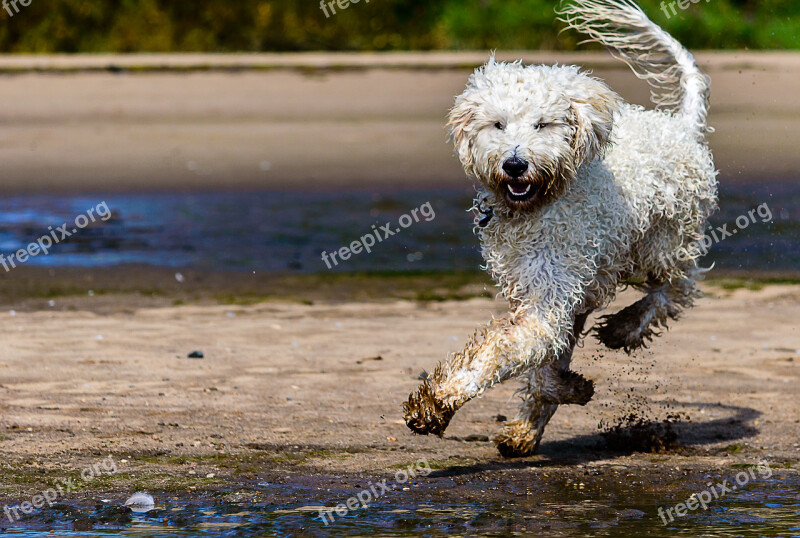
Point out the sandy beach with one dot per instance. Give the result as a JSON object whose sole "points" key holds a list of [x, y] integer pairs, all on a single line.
{"points": [[316, 389], [107, 123]]}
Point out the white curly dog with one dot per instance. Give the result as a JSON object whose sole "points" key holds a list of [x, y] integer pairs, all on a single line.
{"points": [[580, 194]]}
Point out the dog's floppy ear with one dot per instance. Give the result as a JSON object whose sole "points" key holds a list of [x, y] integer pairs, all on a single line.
{"points": [[460, 125], [592, 107]]}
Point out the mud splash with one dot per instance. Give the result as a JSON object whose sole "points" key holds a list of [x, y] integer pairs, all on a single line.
{"points": [[634, 433]]}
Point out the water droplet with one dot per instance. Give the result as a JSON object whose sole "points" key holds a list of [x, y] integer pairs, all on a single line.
{"points": [[141, 502]]}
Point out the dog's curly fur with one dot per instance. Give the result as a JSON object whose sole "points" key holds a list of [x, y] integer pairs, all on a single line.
{"points": [[613, 194]]}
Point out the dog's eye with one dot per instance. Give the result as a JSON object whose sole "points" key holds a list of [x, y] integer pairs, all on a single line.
{"points": [[540, 125], [499, 125]]}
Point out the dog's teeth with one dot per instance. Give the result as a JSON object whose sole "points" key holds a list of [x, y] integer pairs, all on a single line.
{"points": [[523, 193]]}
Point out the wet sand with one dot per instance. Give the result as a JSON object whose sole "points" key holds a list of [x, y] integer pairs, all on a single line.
{"points": [[307, 390], [100, 123]]}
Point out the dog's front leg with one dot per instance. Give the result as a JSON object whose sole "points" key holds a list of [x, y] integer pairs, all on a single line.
{"points": [[496, 352], [545, 389]]}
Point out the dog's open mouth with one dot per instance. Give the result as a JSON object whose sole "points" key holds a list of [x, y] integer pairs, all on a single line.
{"points": [[519, 191]]}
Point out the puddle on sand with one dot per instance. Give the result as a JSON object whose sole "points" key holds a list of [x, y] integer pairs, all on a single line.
{"points": [[488, 508], [288, 231]]}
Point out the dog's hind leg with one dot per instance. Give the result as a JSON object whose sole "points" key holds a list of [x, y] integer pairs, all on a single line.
{"points": [[545, 389], [633, 326]]}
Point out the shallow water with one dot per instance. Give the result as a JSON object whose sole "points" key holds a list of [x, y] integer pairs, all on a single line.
{"points": [[287, 231], [762, 510], [491, 508]]}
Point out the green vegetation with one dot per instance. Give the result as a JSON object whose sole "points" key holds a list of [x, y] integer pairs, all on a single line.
{"points": [[295, 25], [734, 448], [31, 288], [752, 283]]}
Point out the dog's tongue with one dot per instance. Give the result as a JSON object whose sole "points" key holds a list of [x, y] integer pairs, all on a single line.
{"points": [[519, 189]]}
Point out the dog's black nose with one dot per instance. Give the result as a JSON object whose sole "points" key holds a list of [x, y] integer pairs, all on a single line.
{"points": [[515, 167]]}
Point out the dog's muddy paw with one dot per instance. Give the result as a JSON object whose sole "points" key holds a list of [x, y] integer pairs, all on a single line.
{"points": [[622, 330], [516, 441], [581, 390], [425, 414]]}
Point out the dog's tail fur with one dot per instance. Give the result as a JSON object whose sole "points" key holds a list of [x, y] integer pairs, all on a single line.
{"points": [[675, 81]]}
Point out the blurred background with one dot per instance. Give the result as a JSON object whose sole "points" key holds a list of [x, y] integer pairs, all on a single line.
{"points": [[291, 25], [247, 138]]}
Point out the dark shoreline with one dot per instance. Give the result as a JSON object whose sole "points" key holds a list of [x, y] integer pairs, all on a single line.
{"points": [[114, 289]]}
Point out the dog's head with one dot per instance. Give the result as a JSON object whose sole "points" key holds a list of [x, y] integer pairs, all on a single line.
{"points": [[524, 131]]}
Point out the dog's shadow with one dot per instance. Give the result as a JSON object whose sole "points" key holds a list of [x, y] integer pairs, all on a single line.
{"points": [[736, 425]]}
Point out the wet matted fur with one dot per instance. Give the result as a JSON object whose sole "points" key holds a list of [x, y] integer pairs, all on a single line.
{"points": [[612, 194]]}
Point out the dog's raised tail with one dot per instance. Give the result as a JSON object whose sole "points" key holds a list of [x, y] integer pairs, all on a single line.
{"points": [[675, 81]]}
